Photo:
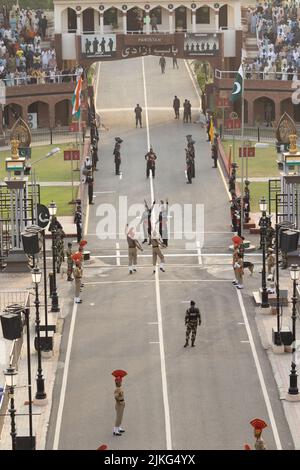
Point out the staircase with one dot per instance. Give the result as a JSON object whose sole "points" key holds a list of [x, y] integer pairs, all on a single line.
{"points": [[250, 48]]}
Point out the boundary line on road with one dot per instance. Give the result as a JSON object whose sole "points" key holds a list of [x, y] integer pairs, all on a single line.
{"points": [[64, 380], [260, 373], [158, 301], [118, 257], [194, 84]]}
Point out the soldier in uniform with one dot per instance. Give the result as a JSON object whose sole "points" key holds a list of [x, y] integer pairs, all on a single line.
{"points": [[176, 106], [270, 263], [138, 115], [133, 245], [117, 154], [148, 211], [235, 260], [70, 262], [90, 183], [189, 166], [270, 234], [214, 155], [247, 264], [119, 402], [150, 157], [191, 150], [163, 221], [259, 425], [78, 222], [156, 252], [192, 320], [60, 249], [239, 271], [77, 273], [162, 63]]}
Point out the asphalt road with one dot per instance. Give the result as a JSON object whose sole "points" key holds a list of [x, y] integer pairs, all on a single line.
{"points": [[176, 398]]}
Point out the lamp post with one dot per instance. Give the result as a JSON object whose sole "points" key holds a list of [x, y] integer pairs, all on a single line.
{"points": [[40, 383], [293, 388], [10, 379], [263, 228], [54, 296]]}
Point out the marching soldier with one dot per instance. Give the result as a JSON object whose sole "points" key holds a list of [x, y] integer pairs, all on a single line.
{"points": [[192, 320], [70, 262], [133, 245], [150, 157], [270, 263], [259, 425], [77, 273], [119, 402], [247, 264], [156, 252], [117, 154]]}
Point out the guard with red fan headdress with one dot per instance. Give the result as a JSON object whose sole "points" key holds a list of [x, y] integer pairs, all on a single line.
{"points": [[259, 425], [77, 273], [120, 402]]}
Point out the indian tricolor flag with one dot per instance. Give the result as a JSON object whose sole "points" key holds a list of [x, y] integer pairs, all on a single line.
{"points": [[76, 99]]}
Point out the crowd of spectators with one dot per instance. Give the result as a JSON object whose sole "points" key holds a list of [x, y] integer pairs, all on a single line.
{"points": [[23, 60], [277, 27]]}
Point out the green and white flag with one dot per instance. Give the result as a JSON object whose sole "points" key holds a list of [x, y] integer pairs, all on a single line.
{"points": [[238, 85]]}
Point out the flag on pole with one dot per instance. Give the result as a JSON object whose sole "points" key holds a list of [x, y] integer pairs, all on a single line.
{"points": [[76, 99], [211, 131], [238, 85]]}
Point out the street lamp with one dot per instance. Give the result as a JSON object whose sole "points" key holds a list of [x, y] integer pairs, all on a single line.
{"points": [[10, 379], [54, 296], [40, 383], [263, 229], [293, 388]]}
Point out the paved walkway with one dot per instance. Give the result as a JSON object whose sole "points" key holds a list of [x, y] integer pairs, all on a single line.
{"points": [[59, 183], [258, 179]]}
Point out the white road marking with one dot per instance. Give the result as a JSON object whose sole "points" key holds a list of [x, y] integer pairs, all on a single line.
{"points": [[104, 192], [118, 254], [153, 280], [154, 342], [224, 181], [86, 222], [153, 108], [152, 322], [121, 176], [194, 84], [260, 373], [245, 341], [241, 323], [200, 261], [158, 301], [64, 380]]}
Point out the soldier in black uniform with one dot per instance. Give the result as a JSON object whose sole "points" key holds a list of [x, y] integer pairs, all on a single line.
{"points": [[138, 115], [191, 150], [78, 222], [149, 226], [151, 158], [90, 183], [214, 155], [176, 106], [117, 154], [192, 320], [189, 166]]}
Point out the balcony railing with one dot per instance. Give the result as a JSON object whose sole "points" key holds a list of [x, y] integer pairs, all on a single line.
{"points": [[253, 75], [34, 80]]}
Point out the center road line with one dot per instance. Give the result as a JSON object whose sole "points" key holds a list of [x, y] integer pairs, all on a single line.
{"points": [[260, 373], [158, 301], [64, 380], [200, 260], [118, 254]]}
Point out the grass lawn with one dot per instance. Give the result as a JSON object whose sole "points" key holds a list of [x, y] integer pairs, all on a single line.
{"points": [[262, 165], [257, 190], [51, 169], [61, 195]]}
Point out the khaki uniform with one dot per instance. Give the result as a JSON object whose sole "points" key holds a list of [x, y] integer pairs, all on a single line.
{"points": [[156, 252], [70, 263], [120, 405], [239, 270], [77, 272], [235, 259], [260, 444]]}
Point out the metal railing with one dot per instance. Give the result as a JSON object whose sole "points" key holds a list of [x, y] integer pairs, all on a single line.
{"points": [[254, 75], [46, 136], [39, 80]]}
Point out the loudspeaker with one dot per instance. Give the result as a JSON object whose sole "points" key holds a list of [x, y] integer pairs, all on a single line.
{"points": [[31, 243], [288, 240], [11, 325], [45, 342]]}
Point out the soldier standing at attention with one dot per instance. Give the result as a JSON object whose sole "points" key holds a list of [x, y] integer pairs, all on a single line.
{"points": [[77, 272], [133, 244], [189, 166], [138, 115], [259, 425], [117, 154], [192, 320], [239, 271], [78, 222], [176, 106], [270, 263], [156, 252], [151, 158], [162, 63], [120, 402], [70, 262]]}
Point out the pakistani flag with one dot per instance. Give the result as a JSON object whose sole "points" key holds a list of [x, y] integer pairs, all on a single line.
{"points": [[238, 85]]}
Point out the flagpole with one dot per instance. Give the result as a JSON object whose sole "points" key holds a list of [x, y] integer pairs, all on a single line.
{"points": [[243, 118]]}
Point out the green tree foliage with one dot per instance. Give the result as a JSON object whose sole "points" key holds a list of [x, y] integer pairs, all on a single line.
{"points": [[203, 73]]}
